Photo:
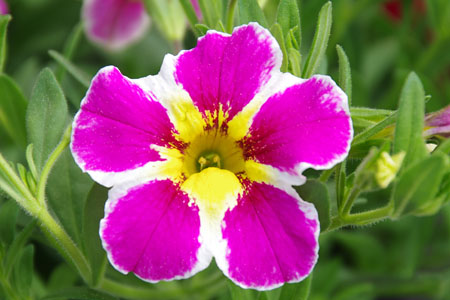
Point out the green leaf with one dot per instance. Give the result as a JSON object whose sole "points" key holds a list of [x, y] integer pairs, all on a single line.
{"points": [[8, 216], [296, 291], [93, 212], [295, 60], [67, 191], [63, 276], [73, 70], [249, 11], [13, 106], [23, 272], [278, 34], [375, 129], [190, 14], [47, 117], [410, 121], [202, 28], [418, 185], [345, 73], [238, 293], [79, 293], [17, 245], [4, 20], [211, 11], [316, 193], [320, 42], [70, 47], [288, 17]]}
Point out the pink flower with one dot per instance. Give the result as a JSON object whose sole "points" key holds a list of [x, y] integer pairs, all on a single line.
{"points": [[115, 24], [438, 123], [202, 156], [3, 7]]}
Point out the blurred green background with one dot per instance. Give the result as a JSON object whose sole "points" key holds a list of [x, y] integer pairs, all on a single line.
{"points": [[384, 40]]}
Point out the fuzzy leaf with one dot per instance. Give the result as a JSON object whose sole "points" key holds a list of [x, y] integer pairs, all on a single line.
{"points": [[278, 34], [73, 70], [296, 291], [288, 17], [23, 272], [13, 106], [419, 184], [8, 216], [320, 42], [345, 73], [47, 117], [81, 293], [249, 11], [410, 121], [93, 212], [4, 20], [316, 193], [67, 190]]}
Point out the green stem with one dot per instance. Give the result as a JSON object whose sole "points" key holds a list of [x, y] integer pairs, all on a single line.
{"points": [[359, 219], [68, 248], [8, 171], [49, 165], [326, 175], [348, 203], [230, 15]]}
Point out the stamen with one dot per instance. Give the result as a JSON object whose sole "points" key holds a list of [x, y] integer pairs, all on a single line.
{"points": [[208, 159]]}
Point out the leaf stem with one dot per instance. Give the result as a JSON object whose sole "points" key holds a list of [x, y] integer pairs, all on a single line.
{"points": [[67, 247], [49, 165], [230, 15]]}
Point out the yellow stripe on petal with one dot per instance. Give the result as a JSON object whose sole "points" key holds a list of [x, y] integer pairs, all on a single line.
{"points": [[258, 172], [238, 127], [214, 191], [188, 121]]}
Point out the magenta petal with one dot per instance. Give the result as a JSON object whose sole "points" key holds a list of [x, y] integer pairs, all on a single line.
{"points": [[3, 7], [115, 23], [225, 71], [272, 238], [306, 125], [152, 230], [117, 124]]}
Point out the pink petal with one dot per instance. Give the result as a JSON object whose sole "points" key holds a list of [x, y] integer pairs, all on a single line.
{"points": [[116, 126], [225, 71], [152, 230], [306, 125], [197, 10], [3, 7], [272, 238], [115, 24], [438, 123]]}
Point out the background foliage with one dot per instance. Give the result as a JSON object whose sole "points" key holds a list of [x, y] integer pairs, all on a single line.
{"points": [[403, 254]]}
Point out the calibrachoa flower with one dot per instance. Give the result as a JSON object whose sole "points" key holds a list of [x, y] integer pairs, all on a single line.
{"points": [[114, 24], [3, 7], [438, 123], [202, 156]]}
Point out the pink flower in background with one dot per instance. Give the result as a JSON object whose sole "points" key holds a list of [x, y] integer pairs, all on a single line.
{"points": [[196, 6], [438, 123], [115, 24], [3, 7], [202, 157]]}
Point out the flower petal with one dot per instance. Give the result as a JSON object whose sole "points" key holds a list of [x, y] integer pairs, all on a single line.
{"points": [[223, 73], [115, 23], [272, 238], [306, 125], [116, 126], [152, 230], [3, 7]]}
